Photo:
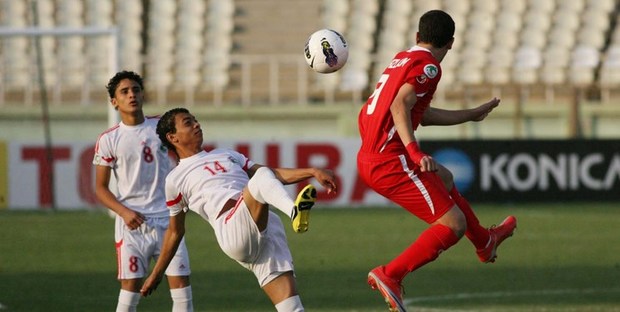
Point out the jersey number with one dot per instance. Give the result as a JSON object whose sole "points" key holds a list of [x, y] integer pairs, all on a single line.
{"points": [[375, 94], [215, 167], [133, 264], [147, 154]]}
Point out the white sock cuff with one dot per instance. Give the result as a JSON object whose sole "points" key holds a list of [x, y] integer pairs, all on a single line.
{"points": [[128, 298], [290, 304], [182, 299], [181, 293]]}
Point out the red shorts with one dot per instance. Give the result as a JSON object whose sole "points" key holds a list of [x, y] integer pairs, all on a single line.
{"points": [[398, 179]]}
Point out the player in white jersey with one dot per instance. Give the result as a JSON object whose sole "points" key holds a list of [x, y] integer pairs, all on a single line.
{"points": [[233, 195], [133, 153]]}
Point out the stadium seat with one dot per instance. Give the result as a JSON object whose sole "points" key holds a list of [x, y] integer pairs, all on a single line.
{"points": [[566, 20], [71, 61], [470, 75], [472, 56], [546, 6], [583, 64], [216, 54], [536, 21], [591, 37], [527, 62], [572, 5], [610, 72], [505, 39], [531, 37], [354, 80], [514, 6], [554, 70], [334, 14], [420, 7], [479, 40], [562, 38], [160, 58], [480, 21], [603, 5], [595, 19], [485, 6], [360, 36], [457, 7], [189, 43], [509, 21], [498, 67], [48, 44], [15, 51], [130, 28]]}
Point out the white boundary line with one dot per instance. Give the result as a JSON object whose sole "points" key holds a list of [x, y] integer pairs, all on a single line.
{"points": [[500, 294]]}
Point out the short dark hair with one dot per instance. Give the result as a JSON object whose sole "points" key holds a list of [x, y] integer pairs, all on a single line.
{"points": [[125, 74], [166, 125], [436, 27]]}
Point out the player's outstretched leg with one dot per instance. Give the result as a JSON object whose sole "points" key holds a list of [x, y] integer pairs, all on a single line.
{"points": [[301, 214], [498, 235], [389, 288]]}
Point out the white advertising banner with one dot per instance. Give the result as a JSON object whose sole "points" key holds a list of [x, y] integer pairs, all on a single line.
{"points": [[28, 175]]}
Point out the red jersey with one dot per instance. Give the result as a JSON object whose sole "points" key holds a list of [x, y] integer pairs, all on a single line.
{"points": [[416, 66]]}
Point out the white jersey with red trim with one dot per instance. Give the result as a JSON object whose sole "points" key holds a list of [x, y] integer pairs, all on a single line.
{"points": [[139, 164], [206, 181]]}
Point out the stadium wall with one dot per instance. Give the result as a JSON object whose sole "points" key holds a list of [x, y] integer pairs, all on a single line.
{"points": [[485, 171]]}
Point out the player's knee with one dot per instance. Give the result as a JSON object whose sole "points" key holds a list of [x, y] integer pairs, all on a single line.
{"points": [[258, 179], [179, 281], [455, 220]]}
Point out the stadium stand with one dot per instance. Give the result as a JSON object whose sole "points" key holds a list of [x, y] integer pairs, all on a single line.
{"points": [[188, 46], [70, 57], [14, 51], [248, 52], [360, 35], [160, 55], [218, 43], [130, 23]]}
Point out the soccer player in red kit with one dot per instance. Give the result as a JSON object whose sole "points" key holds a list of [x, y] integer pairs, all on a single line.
{"points": [[392, 164]]}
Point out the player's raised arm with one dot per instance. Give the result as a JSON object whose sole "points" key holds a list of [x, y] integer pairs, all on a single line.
{"points": [[325, 177], [442, 117]]}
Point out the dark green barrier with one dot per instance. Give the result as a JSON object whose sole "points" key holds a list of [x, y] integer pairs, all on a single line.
{"points": [[532, 170]]}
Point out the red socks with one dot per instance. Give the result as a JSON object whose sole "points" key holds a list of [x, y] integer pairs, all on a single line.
{"points": [[477, 234], [425, 249]]}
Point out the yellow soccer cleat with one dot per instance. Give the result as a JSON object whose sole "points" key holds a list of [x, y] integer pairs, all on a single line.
{"points": [[301, 214]]}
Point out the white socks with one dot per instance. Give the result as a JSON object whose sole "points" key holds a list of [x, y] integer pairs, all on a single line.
{"points": [[267, 189], [127, 301], [290, 304], [182, 299]]}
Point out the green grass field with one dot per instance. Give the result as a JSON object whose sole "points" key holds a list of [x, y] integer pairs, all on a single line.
{"points": [[563, 257]]}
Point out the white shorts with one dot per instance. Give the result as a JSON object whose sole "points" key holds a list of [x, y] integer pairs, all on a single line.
{"points": [[266, 254], [136, 248]]}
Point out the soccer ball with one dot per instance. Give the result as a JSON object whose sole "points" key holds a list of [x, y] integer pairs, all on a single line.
{"points": [[326, 51]]}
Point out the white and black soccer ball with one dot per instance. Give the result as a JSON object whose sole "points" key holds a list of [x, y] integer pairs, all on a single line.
{"points": [[326, 51]]}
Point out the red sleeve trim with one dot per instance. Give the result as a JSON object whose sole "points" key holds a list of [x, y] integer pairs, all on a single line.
{"points": [[245, 166], [174, 201]]}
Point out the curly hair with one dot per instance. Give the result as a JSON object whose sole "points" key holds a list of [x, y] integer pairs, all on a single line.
{"points": [[436, 27], [166, 125], [125, 74]]}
